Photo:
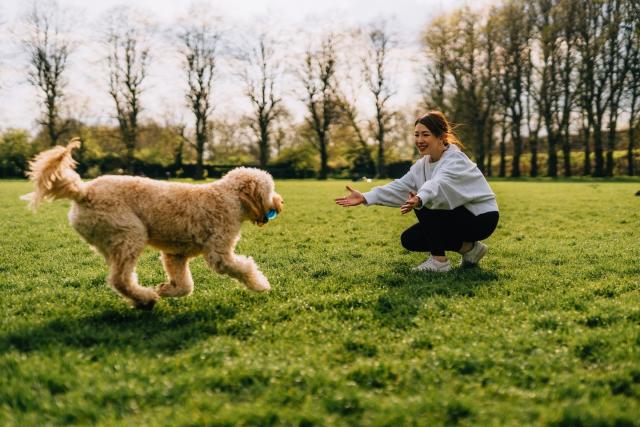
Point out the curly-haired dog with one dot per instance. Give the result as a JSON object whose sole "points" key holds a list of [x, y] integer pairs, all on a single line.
{"points": [[120, 215]]}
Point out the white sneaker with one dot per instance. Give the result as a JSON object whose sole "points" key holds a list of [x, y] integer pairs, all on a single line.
{"points": [[432, 264], [474, 256]]}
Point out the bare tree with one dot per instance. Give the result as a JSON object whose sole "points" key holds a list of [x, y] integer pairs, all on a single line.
{"points": [[377, 78], [360, 154], [318, 78], [567, 77], [547, 35], [348, 91], [618, 51], [260, 75], [434, 85], [534, 121], [127, 60], [175, 125], [49, 49], [514, 46], [598, 59], [633, 84], [504, 129], [199, 49]]}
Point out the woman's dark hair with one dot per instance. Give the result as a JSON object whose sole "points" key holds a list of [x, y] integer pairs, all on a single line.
{"points": [[439, 127]]}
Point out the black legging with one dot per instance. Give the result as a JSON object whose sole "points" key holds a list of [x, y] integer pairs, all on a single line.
{"points": [[445, 230]]}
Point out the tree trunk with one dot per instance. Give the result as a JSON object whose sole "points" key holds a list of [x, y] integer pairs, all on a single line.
{"points": [[587, 151], [201, 139], [490, 149], [479, 149], [264, 145], [611, 145], [552, 155], [630, 150], [51, 126], [566, 153], [597, 148], [503, 151], [382, 169], [324, 169], [533, 144], [517, 151]]}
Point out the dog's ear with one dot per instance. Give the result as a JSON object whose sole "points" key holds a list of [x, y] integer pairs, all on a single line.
{"points": [[252, 200]]}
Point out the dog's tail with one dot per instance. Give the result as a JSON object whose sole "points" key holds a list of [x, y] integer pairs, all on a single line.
{"points": [[53, 173]]}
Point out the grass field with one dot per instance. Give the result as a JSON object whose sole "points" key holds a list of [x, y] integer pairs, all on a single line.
{"points": [[546, 332]]}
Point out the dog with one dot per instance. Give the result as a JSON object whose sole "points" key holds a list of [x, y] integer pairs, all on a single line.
{"points": [[120, 215]]}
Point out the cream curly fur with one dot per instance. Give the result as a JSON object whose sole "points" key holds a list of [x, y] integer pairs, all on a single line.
{"points": [[120, 215]]}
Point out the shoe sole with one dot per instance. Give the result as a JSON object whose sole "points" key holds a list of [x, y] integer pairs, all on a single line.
{"points": [[430, 271]]}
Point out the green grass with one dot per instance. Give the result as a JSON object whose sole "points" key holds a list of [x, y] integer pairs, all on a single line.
{"points": [[547, 332]]}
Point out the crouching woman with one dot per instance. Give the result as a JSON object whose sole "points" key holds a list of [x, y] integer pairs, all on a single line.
{"points": [[452, 200]]}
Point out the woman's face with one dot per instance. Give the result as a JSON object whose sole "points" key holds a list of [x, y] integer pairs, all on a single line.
{"points": [[427, 143]]}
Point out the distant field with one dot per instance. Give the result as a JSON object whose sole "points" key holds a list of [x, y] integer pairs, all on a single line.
{"points": [[546, 332]]}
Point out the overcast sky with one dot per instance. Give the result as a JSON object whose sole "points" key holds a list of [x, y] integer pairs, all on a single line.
{"points": [[86, 89]]}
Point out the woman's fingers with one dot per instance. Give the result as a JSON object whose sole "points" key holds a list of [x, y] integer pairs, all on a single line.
{"points": [[349, 188], [344, 202]]}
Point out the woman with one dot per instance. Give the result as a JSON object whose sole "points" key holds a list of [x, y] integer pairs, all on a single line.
{"points": [[451, 198]]}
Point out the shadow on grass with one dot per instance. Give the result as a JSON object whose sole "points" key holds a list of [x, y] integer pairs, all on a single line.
{"points": [[406, 290], [143, 332]]}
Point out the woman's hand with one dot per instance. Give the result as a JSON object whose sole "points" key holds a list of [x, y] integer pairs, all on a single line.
{"points": [[354, 198], [411, 203]]}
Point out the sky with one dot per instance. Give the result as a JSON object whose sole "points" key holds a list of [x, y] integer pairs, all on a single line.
{"points": [[164, 92]]}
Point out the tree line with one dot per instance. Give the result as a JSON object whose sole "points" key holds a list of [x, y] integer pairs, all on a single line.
{"points": [[533, 84], [562, 72]]}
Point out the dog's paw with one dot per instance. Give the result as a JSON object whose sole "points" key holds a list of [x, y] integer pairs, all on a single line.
{"points": [[172, 290], [259, 283], [150, 299]]}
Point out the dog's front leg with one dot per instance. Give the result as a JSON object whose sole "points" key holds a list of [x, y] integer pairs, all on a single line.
{"points": [[239, 267], [180, 281]]}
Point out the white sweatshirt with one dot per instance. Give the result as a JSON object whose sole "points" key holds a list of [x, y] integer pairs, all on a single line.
{"points": [[452, 181]]}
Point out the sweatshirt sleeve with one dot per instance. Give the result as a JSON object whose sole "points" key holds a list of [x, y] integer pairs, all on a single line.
{"points": [[454, 184], [393, 194]]}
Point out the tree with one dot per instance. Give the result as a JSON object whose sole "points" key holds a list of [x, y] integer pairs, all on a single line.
{"points": [[596, 21], [49, 51], [434, 81], [127, 60], [461, 46], [260, 74], [199, 50], [633, 83], [618, 50], [360, 154], [567, 77], [377, 78], [534, 121], [547, 31], [318, 79], [15, 152], [513, 47]]}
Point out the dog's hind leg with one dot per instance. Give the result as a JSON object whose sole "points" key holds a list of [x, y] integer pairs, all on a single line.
{"points": [[122, 277], [239, 267], [180, 281]]}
